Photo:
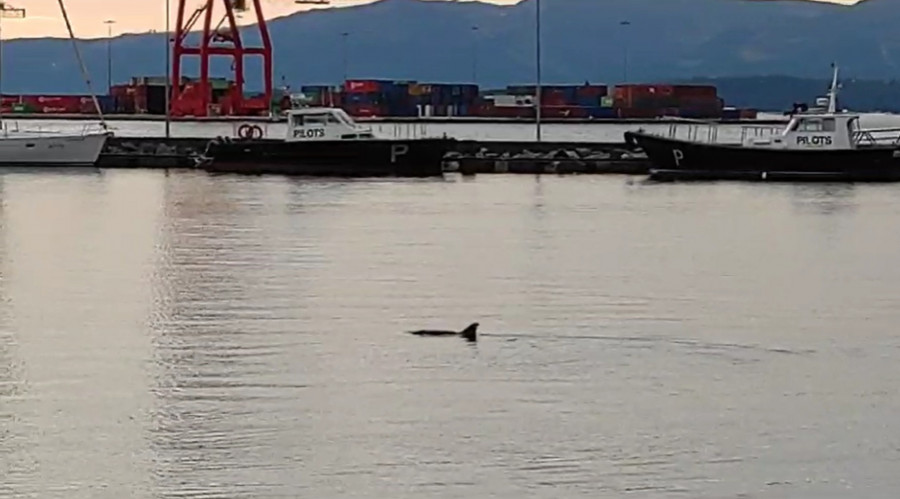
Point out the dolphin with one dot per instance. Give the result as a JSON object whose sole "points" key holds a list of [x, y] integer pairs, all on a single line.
{"points": [[470, 333]]}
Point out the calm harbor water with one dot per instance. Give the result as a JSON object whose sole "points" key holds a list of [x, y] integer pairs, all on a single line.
{"points": [[186, 335]]}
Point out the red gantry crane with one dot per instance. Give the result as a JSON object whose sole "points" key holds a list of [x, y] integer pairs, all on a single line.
{"points": [[223, 39]]}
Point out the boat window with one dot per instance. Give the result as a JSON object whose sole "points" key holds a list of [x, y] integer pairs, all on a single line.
{"points": [[828, 125], [811, 125], [297, 120]]}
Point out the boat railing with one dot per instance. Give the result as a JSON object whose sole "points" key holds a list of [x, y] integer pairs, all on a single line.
{"points": [[877, 136], [403, 131], [714, 133], [12, 126]]}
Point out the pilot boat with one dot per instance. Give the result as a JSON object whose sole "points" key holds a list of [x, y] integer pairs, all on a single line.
{"points": [[325, 141], [814, 146]]}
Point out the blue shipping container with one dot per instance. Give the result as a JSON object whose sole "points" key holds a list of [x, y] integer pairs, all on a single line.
{"points": [[107, 104]]}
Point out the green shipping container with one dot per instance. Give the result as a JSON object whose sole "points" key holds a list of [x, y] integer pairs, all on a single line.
{"points": [[22, 108], [606, 101]]}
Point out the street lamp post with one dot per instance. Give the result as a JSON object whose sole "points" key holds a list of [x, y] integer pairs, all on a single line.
{"points": [[344, 56], [109, 24], [475, 55], [625, 25], [537, 97], [168, 73]]}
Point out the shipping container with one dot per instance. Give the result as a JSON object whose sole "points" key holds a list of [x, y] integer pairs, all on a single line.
{"points": [[695, 91], [124, 104], [53, 104], [490, 111], [363, 86], [419, 90], [555, 99], [364, 110], [591, 91], [602, 112]]}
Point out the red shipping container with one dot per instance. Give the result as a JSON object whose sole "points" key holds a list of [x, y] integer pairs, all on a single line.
{"points": [[67, 101], [364, 110], [53, 104], [696, 91], [87, 107], [664, 90], [362, 86], [119, 90], [555, 99]]}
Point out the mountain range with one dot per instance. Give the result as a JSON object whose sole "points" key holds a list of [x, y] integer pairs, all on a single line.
{"points": [[583, 40]]}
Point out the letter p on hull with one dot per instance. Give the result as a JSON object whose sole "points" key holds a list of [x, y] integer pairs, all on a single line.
{"points": [[398, 150], [678, 155]]}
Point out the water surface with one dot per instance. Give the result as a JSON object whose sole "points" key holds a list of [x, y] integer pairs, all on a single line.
{"points": [[187, 335]]}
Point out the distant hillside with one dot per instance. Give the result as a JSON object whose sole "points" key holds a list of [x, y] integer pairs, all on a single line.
{"points": [[583, 40]]}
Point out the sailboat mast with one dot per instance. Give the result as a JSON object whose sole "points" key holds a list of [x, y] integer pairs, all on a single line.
{"points": [[84, 71]]}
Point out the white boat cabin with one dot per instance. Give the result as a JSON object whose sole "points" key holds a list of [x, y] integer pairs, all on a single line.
{"points": [[324, 123], [813, 131]]}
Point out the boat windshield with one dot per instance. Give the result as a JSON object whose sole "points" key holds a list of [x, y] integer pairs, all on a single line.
{"points": [[314, 119], [343, 117], [812, 125]]}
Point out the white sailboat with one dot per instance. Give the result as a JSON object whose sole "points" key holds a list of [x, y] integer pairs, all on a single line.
{"points": [[22, 147]]}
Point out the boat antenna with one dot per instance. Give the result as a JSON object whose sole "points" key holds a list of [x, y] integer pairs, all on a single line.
{"points": [[832, 92], [84, 72]]}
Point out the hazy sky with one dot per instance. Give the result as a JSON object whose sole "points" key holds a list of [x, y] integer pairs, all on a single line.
{"points": [[87, 16]]}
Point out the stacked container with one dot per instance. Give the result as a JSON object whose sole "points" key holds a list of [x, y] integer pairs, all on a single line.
{"points": [[363, 98]]}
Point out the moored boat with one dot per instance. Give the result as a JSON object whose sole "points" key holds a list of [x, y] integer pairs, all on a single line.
{"points": [[813, 146], [53, 149], [326, 142]]}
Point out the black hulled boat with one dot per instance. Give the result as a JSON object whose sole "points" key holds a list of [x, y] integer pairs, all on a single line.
{"points": [[326, 142], [813, 146]]}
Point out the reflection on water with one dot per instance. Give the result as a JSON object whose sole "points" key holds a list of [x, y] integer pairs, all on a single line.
{"points": [[188, 335]]}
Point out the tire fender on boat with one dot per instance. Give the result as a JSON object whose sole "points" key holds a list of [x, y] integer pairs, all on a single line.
{"points": [[248, 131]]}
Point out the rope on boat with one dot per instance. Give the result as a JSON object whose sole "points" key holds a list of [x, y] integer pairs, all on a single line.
{"points": [[84, 71]]}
